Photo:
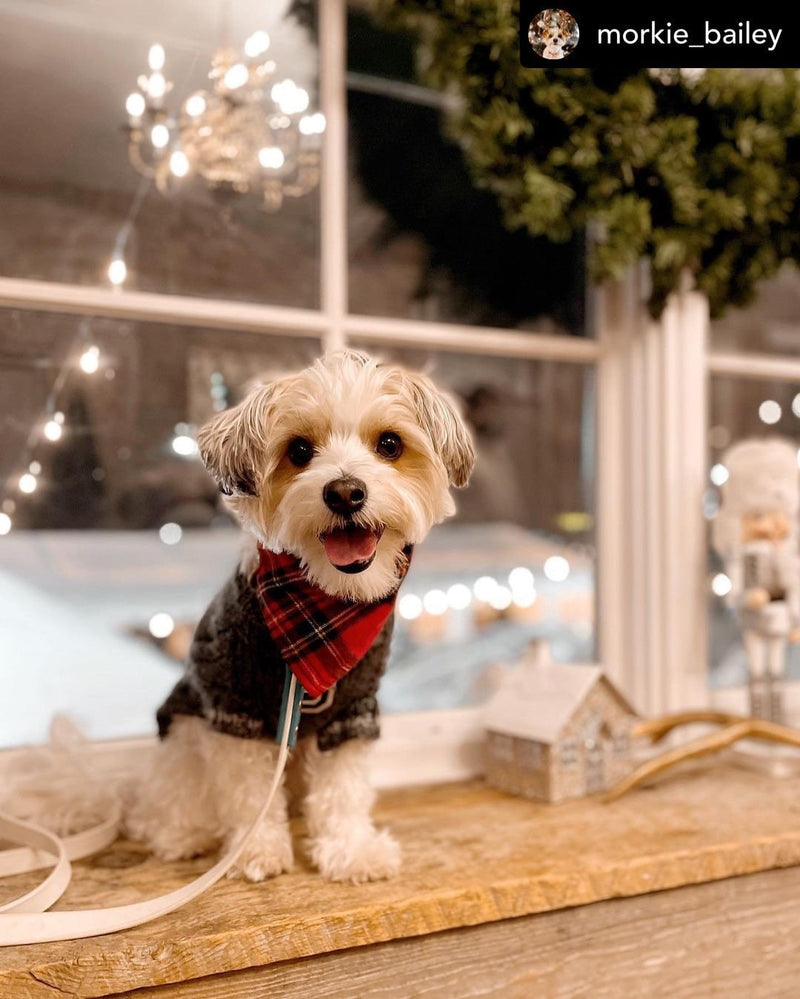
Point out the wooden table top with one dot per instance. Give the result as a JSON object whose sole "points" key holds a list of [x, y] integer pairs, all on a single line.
{"points": [[471, 856]]}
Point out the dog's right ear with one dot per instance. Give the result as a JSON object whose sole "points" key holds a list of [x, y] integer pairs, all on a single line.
{"points": [[233, 445]]}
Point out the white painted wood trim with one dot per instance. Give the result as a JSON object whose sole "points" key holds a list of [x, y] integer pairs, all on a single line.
{"points": [[652, 419], [784, 368], [489, 341]]}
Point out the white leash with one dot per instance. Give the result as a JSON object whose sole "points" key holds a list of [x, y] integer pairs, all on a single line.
{"points": [[39, 848], [24, 921]]}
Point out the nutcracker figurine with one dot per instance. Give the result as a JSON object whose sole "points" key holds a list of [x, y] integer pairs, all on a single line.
{"points": [[755, 533]]}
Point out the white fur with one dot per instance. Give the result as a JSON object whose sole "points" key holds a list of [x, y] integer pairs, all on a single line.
{"points": [[206, 787]]}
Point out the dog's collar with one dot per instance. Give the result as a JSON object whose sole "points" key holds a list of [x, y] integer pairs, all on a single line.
{"points": [[320, 637]]}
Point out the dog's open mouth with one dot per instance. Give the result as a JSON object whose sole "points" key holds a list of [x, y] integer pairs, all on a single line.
{"points": [[351, 548]]}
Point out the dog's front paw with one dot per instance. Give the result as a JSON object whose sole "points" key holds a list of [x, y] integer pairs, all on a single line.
{"points": [[364, 855], [266, 854]]}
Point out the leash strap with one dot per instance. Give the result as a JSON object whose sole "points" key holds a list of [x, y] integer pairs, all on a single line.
{"points": [[23, 921]]}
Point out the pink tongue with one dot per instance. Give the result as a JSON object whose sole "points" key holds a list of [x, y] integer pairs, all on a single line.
{"points": [[345, 547]]}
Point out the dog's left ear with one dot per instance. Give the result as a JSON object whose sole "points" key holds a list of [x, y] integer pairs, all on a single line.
{"points": [[439, 416], [233, 444]]}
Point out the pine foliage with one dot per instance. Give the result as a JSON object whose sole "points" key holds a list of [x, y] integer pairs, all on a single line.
{"points": [[693, 171]]}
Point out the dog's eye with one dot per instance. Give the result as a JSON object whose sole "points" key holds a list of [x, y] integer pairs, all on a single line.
{"points": [[300, 451], [389, 446]]}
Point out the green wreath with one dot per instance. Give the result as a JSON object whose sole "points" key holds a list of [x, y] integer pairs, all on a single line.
{"points": [[693, 170]]}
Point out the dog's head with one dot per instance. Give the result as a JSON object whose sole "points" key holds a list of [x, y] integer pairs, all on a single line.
{"points": [[341, 464]]}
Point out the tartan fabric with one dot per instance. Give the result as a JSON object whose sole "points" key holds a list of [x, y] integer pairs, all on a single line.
{"points": [[320, 637]]}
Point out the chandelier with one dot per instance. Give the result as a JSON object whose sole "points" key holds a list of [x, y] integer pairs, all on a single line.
{"points": [[248, 133]]}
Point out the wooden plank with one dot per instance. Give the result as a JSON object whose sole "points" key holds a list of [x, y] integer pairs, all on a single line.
{"points": [[735, 938], [472, 856]]}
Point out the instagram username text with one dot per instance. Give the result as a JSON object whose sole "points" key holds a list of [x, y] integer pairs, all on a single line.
{"points": [[741, 34]]}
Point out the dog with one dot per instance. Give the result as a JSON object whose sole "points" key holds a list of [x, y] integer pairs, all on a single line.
{"points": [[335, 472], [555, 40]]}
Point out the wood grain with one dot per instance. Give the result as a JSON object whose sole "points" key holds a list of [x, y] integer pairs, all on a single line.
{"points": [[735, 938], [472, 856]]}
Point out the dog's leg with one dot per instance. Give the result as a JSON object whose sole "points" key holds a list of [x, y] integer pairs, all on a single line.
{"points": [[241, 772], [173, 810], [345, 845]]}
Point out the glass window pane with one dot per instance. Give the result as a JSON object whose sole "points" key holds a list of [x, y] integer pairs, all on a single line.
{"points": [[123, 523], [517, 563], [740, 408], [70, 197], [424, 241], [770, 324]]}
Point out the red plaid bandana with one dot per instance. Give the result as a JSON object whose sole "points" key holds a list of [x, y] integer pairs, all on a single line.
{"points": [[320, 637]]}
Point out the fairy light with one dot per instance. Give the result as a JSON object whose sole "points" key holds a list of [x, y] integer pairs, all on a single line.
{"points": [[236, 76], [5, 523], [117, 271], [157, 86], [523, 586], [769, 411], [159, 136], [520, 578], [312, 124], [435, 602], [53, 430], [161, 625], [170, 533], [719, 474], [195, 105], [156, 57], [135, 105], [484, 587], [556, 568], [28, 483], [409, 607], [271, 158], [459, 596], [256, 45], [179, 164], [524, 598], [721, 585], [290, 98], [90, 360], [184, 445], [501, 598]]}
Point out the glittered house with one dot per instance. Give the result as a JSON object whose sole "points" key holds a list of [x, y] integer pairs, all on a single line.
{"points": [[557, 730]]}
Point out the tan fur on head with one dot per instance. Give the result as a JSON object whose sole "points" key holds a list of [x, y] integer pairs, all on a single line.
{"points": [[439, 416], [341, 405]]}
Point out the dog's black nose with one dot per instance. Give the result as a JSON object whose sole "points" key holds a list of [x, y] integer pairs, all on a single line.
{"points": [[345, 496]]}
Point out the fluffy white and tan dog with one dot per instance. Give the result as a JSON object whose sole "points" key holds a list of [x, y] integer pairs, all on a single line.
{"points": [[335, 471]]}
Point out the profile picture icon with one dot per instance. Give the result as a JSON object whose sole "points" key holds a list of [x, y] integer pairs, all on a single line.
{"points": [[553, 34]]}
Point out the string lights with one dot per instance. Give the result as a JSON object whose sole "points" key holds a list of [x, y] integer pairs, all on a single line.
{"points": [[519, 591], [51, 429]]}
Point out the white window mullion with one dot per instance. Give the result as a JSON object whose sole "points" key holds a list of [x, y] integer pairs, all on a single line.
{"points": [[761, 366], [152, 307], [489, 341], [333, 182]]}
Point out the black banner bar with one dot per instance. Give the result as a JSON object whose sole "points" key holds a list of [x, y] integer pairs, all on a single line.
{"points": [[657, 35]]}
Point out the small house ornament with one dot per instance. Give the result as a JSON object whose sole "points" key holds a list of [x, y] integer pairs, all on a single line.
{"points": [[557, 730]]}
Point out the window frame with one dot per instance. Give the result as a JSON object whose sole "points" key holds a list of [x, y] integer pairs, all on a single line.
{"points": [[631, 355]]}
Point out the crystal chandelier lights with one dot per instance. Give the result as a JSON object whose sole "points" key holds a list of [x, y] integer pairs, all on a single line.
{"points": [[249, 132]]}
